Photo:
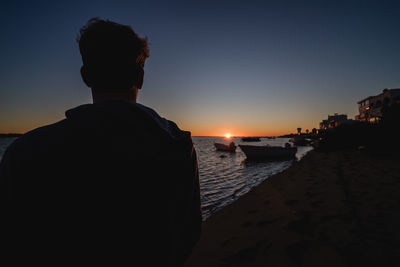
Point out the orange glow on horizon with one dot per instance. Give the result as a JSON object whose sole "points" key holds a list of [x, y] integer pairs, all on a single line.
{"points": [[211, 128], [239, 129], [239, 133]]}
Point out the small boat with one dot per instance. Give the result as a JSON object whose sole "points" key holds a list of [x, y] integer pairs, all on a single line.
{"points": [[299, 140], [228, 148], [268, 152], [251, 139]]}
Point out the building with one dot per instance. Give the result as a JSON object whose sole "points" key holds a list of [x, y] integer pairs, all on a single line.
{"points": [[333, 121], [370, 108]]}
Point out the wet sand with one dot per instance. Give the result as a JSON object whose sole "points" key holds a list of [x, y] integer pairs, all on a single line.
{"points": [[330, 209]]}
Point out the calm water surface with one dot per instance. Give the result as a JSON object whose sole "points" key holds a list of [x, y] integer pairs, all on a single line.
{"points": [[224, 177]]}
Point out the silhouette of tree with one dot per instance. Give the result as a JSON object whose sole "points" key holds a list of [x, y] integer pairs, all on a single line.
{"points": [[314, 131]]}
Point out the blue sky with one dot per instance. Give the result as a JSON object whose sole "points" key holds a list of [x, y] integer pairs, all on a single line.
{"points": [[248, 67]]}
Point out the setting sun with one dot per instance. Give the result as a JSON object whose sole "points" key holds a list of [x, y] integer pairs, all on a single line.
{"points": [[228, 135]]}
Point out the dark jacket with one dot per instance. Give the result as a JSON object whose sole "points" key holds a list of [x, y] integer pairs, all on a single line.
{"points": [[112, 182]]}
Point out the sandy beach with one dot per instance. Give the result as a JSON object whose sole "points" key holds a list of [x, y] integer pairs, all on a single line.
{"points": [[330, 209]]}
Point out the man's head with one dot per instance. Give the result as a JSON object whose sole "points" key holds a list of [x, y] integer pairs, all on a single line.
{"points": [[113, 56]]}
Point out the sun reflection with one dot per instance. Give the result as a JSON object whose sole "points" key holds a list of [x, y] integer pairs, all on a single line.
{"points": [[228, 135]]}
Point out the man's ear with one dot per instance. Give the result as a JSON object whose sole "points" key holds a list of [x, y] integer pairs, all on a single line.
{"points": [[85, 76], [140, 76]]}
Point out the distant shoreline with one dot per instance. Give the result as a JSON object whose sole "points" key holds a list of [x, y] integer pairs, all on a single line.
{"points": [[260, 136], [7, 135]]}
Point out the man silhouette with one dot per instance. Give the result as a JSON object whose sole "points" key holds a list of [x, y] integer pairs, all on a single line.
{"points": [[113, 182]]}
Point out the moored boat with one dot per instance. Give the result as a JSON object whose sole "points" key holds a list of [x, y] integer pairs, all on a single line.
{"points": [[268, 152], [299, 140], [251, 139], [228, 148]]}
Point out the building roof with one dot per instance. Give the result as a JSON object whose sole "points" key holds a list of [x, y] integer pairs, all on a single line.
{"points": [[365, 99], [394, 90]]}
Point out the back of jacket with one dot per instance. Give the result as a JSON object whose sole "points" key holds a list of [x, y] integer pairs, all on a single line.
{"points": [[112, 182]]}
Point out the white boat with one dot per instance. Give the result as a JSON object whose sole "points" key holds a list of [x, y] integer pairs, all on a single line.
{"points": [[268, 152], [228, 148]]}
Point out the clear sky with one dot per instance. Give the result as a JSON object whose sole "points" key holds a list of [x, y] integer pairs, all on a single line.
{"points": [[244, 67]]}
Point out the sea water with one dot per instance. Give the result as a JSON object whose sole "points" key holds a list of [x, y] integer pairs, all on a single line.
{"points": [[224, 176]]}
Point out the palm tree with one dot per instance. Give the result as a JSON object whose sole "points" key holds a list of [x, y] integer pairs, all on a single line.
{"points": [[314, 131], [299, 130]]}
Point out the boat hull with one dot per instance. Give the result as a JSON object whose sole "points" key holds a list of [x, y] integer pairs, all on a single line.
{"points": [[268, 152], [299, 141], [223, 147], [251, 139]]}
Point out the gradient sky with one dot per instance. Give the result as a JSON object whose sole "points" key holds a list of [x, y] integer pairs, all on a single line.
{"points": [[245, 67]]}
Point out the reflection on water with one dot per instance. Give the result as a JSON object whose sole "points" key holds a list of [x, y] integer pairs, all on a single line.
{"points": [[224, 177]]}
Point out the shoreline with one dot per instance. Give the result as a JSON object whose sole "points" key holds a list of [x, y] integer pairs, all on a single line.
{"points": [[334, 209]]}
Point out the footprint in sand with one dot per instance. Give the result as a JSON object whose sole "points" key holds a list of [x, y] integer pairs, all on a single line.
{"points": [[252, 211], [247, 224], [291, 202], [246, 256], [226, 242], [266, 222], [297, 251], [310, 195], [223, 244], [317, 203]]}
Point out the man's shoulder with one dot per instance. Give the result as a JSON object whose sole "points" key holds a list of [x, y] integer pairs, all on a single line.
{"points": [[39, 136], [169, 127]]}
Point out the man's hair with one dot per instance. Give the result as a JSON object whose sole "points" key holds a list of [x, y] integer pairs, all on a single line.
{"points": [[112, 54]]}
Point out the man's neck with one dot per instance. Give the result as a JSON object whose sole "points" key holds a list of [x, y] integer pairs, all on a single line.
{"points": [[126, 95]]}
